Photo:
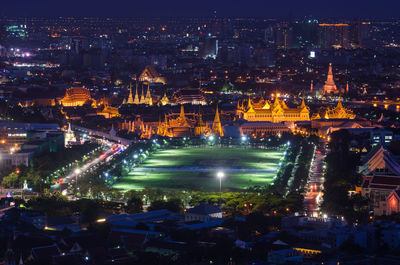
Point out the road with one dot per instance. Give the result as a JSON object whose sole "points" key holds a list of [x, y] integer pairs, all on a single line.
{"points": [[314, 187], [112, 150]]}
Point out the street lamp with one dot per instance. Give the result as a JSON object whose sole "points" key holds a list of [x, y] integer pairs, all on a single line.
{"points": [[220, 176]]}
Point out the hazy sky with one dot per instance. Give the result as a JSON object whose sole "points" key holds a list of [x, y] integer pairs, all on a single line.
{"points": [[150, 8]]}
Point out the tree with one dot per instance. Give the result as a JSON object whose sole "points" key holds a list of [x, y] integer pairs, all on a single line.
{"points": [[134, 205], [11, 181], [173, 205]]}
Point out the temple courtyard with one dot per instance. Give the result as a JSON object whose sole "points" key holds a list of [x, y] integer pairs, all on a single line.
{"points": [[195, 168]]}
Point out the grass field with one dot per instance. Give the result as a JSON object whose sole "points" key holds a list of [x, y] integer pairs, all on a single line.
{"points": [[193, 168]]}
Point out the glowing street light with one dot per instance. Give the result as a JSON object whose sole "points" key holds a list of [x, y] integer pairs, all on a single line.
{"points": [[78, 171], [220, 176], [135, 156]]}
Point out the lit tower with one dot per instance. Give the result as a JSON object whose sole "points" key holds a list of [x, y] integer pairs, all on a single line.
{"points": [[216, 126], [330, 86], [347, 87], [148, 100], [142, 99], [182, 116], [311, 86], [130, 98], [136, 100]]}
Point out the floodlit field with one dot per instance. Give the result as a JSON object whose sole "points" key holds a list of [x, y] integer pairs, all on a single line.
{"points": [[194, 168]]}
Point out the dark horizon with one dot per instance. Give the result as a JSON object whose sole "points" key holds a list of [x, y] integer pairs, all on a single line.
{"points": [[206, 8]]}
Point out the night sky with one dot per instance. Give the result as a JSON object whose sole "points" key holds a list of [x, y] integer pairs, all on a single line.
{"points": [[243, 8]]}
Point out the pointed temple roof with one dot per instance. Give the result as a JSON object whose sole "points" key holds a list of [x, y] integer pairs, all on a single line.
{"points": [[136, 100], [148, 99], [130, 98], [303, 104], [182, 113], [216, 126], [380, 158], [142, 98]]}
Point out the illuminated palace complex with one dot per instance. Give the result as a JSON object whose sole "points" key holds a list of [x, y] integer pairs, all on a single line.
{"points": [[338, 112], [274, 112], [76, 96], [180, 125]]}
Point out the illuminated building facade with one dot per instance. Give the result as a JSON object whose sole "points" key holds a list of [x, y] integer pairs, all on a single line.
{"points": [[263, 128], [150, 75], [76, 96], [381, 175], [274, 112], [334, 35], [109, 112], [192, 96]]}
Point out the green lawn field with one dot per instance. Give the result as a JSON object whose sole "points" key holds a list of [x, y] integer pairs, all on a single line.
{"points": [[195, 168]]}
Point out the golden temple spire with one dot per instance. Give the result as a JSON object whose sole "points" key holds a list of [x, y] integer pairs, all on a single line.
{"points": [[136, 100], [182, 113], [303, 104], [148, 99], [216, 126], [249, 103], [347, 87], [339, 104], [130, 98], [142, 99]]}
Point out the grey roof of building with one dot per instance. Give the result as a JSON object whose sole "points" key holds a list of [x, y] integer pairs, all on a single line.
{"points": [[204, 209]]}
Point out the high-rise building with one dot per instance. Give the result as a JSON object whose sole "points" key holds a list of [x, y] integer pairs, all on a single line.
{"points": [[305, 33], [334, 35], [283, 35], [209, 48]]}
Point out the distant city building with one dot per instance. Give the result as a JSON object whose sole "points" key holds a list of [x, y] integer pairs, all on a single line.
{"points": [[283, 35], [209, 48], [334, 35]]}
